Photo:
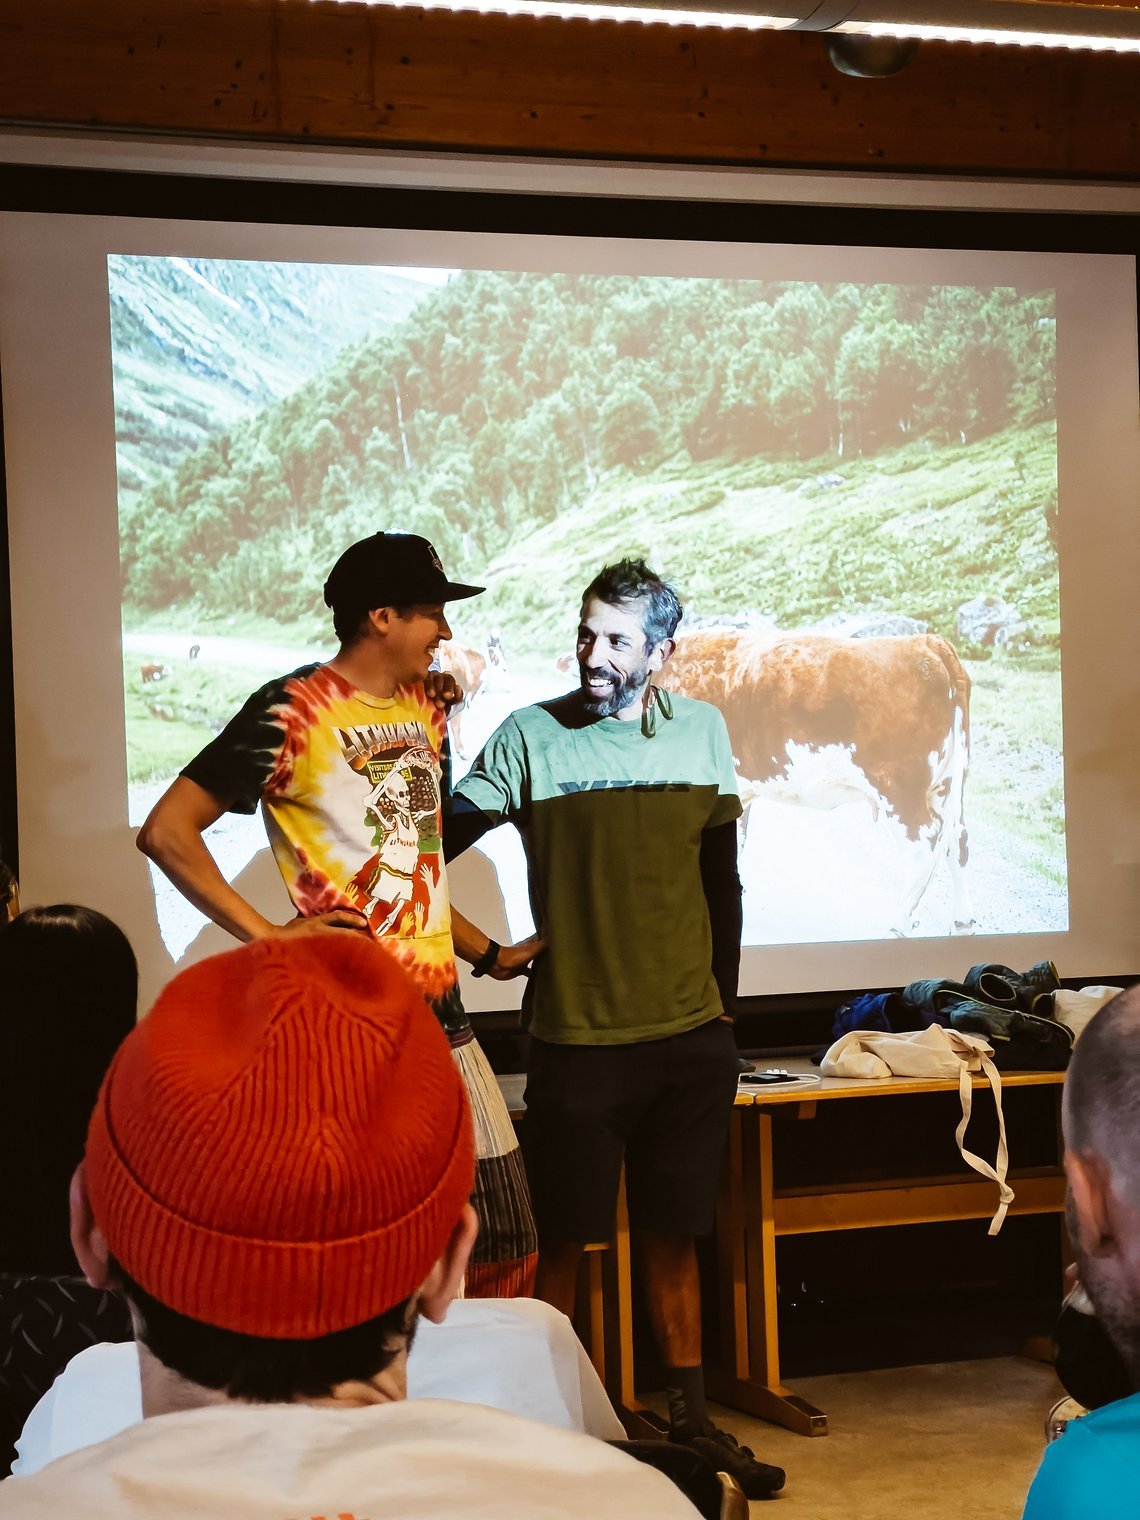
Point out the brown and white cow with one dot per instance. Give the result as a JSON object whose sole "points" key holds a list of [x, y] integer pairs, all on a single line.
{"points": [[823, 721], [468, 667]]}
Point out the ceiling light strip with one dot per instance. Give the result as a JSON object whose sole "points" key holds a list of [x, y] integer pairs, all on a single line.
{"points": [[925, 20]]}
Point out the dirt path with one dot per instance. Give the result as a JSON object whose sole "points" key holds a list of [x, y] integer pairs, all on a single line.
{"points": [[224, 649]]}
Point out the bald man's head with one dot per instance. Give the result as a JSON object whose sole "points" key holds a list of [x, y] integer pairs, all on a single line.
{"points": [[1102, 1091], [1102, 1167]]}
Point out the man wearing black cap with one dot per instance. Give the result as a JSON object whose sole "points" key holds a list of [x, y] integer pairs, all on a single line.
{"points": [[346, 760]]}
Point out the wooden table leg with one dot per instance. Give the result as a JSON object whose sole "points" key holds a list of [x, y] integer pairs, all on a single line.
{"points": [[732, 1286], [620, 1374], [591, 1316], [749, 1377]]}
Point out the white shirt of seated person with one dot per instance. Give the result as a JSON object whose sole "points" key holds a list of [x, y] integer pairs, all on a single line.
{"points": [[518, 1355], [407, 1459]]}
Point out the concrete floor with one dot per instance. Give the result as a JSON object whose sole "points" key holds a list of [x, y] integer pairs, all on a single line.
{"points": [[944, 1442]]}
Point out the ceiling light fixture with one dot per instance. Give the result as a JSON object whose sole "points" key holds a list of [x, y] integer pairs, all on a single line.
{"points": [[869, 57], [1111, 28]]}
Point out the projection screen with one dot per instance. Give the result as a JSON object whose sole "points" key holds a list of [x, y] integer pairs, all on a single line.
{"points": [[895, 488]]}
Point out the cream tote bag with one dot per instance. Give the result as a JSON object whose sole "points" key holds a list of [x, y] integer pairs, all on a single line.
{"points": [[945, 1054]]}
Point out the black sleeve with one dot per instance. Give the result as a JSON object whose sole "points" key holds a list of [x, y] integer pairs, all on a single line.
{"points": [[721, 883], [237, 765], [463, 824]]}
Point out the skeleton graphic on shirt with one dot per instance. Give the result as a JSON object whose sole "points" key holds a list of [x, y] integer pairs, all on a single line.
{"points": [[394, 887]]}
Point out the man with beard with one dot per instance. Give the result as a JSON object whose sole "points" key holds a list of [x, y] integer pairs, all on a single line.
{"points": [[1092, 1469], [626, 799]]}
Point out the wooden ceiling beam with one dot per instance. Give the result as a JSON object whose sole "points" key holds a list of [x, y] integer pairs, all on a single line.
{"points": [[316, 70]]}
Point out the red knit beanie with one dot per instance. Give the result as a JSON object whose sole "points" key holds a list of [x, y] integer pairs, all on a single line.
{"points": [[283, 1146]]}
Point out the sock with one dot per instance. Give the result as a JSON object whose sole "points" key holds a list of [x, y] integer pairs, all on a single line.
{"points": [[685, 1391]]}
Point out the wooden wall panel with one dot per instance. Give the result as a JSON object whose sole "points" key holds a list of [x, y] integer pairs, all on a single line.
{"points": [[320, 71]]}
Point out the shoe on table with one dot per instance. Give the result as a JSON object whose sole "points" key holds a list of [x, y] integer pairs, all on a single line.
{"points": [[926, 1000], [992, 984], [1037, 986], [759, 1480]]}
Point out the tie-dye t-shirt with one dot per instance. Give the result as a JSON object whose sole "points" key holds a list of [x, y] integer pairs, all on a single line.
{"points": [[349, 786]]}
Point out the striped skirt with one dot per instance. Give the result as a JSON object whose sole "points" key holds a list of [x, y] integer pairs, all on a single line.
{"points": [[503, 1261]]}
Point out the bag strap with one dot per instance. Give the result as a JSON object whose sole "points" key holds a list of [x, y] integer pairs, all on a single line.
{"points": [[995, 1174]]}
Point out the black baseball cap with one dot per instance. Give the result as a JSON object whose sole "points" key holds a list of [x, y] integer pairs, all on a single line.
{"points": [[391, 570]]}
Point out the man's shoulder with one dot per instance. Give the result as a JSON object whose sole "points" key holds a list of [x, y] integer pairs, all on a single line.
{"points": [[544, 720], [564, 712], [282, 689], [1089, 1470], [292, 1455], [696, 708], [692, 716], [1118, 1420]]}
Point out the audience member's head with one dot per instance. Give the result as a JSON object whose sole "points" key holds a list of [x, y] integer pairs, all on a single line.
{"points": [[9, 894], [68, 990], [1102, 1163], [278, 1171]]}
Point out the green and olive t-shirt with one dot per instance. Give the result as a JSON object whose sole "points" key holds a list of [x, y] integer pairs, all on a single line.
{"points": [[611, 821], [350, 791]]}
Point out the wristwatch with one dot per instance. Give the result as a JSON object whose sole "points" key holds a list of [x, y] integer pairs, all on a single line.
{"points": [[486, 961]]}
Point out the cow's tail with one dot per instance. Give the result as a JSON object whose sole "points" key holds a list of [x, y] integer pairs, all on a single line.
{"points": [[959, 679]]}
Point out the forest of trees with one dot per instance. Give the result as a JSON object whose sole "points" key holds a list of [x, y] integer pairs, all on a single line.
{"points": [[504, 398]]}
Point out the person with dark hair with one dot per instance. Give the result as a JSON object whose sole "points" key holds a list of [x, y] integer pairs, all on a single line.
{"points": [[9, 894], [1091, 1470], [626, 799], [277, 1176], [348, 761], [70, 988]]}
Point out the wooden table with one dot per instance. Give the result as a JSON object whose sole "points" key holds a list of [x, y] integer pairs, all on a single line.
{"points": [[752, 1214]]}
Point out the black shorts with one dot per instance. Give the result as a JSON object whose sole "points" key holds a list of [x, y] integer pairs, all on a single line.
{"points": [[662, 1106]]}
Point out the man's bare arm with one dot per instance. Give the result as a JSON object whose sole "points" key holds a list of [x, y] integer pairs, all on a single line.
{"points": [[172, 838], [471, 944]]}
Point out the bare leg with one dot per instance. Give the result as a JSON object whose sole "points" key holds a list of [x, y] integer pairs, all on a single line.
{"points": [[673, 1299], [556, 1280], [673, 1296]]}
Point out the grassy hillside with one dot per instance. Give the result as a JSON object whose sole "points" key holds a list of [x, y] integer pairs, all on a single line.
{"points": [[919, 530], [504, 406]]}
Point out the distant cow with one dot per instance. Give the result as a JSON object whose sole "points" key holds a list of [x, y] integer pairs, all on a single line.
{"points": [[151, 671], [468, 667], [823, 721], [496, 656]]}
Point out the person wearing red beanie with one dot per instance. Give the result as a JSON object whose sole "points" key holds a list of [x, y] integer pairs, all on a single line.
{"points": [[277, 1177]]}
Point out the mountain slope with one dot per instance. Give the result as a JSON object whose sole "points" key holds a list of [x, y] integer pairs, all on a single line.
{"points": [[199, 344]]}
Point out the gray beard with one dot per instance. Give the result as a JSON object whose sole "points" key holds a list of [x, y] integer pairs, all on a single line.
{"points": [[627, 690]]}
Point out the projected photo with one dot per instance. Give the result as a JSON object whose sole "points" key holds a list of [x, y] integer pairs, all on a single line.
{"points": [[853, 487]]}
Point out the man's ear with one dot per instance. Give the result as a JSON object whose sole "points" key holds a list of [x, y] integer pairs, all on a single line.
{"points": [[446, 1278], [87, 1239], [661, 653], [1090, 1187]]}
